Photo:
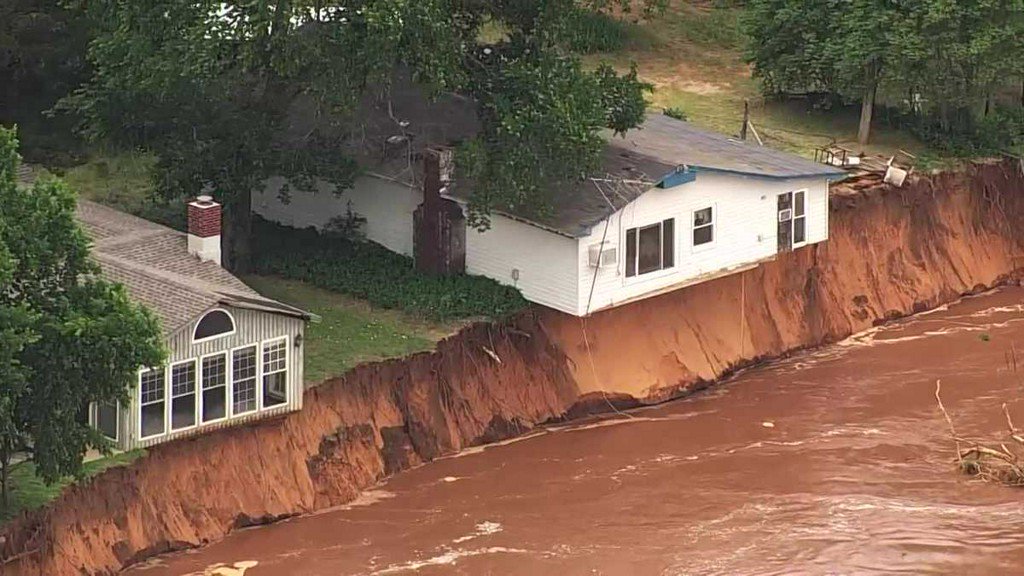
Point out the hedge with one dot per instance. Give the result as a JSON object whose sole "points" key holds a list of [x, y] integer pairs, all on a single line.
{"points": [[369, 271]]}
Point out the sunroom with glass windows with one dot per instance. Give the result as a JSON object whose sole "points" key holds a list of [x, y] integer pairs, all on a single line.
{"points": [[242, 365]]}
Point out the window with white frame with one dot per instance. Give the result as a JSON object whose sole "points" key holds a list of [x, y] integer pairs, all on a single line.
{"points": [[215, 387], [152, 403], [243, 380], [216, 324], [650, 248], [703, 226], [183, 395], [799, 218], [275, 373]]}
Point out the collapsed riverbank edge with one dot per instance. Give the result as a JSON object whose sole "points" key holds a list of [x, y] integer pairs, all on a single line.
{"points": [[891, 253]]}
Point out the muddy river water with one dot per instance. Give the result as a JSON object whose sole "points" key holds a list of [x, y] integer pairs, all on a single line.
{"points": [[837, 461]]}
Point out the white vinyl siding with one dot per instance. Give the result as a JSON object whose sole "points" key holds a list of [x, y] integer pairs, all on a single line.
{"points": [[540, 263], [744, 228], [388, 207]]}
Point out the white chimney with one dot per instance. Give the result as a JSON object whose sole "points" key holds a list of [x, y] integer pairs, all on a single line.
{"points": [[204, 229]]}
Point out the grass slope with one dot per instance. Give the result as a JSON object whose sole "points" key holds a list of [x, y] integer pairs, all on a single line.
{"points": [[350, 331], [693, 55], [30, 492]]}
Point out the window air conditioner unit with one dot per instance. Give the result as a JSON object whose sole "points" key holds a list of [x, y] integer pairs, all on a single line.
{"points": [[605, 258], [785, 215]]}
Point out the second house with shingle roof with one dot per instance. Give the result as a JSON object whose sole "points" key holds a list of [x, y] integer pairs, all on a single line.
{"points": [[234, 355]]}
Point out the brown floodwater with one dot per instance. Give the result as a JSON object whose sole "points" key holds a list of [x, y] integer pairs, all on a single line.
{"points": [[832, 462]]}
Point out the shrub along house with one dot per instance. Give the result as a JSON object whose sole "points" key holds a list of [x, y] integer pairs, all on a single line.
{"points": [[673, 205], [233, 355]]}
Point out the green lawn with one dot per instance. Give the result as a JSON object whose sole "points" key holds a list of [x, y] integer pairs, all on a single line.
{"points": [[693, 55], [350, 331], [123, 180], [29, 491]]}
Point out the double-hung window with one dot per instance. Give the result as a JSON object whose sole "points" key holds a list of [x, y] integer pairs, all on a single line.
{"points": [[183, 395], [799, 217], [650, 248], [703, 226], [243, 380], [215, 387], [275, 373], [152, 403]]}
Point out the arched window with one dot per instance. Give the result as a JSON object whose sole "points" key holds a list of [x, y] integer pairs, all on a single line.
{"points": [[215, 324]]}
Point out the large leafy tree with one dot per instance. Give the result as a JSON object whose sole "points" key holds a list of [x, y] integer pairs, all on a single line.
{"points": [[67, 337], [957, 53], [42, 58], [207, 85], [841, 47], [949, 56]]}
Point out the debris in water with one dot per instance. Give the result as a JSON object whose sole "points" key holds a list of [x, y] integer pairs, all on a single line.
{"points": [[768, 424], [999, 464], [482, 529], [221, 569]]}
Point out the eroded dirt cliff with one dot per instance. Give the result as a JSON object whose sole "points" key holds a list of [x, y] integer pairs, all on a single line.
{"points": [[890, 253], [380, 418]]}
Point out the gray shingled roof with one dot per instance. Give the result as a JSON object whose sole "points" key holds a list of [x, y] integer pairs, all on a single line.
{"points": [[390, 127], [24, 175], [576, 208], [632, 165], [676, 142], [153, 263]]}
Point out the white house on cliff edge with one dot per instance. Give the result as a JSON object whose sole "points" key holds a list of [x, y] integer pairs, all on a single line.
{"points": [[673, 206]]}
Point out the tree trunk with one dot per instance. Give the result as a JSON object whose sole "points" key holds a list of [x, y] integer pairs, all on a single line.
{"points": [[5, 477], [237, 239], [746, 120], [867, 108]]}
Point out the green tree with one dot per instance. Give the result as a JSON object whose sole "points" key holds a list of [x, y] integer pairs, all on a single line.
{"points": [[955, 54], [949, 56], [207, 86], [842, 47], [67, 337], [42, 58]]}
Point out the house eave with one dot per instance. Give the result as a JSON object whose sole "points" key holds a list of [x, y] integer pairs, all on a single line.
{"points": [[831, 175], [546, 228]]}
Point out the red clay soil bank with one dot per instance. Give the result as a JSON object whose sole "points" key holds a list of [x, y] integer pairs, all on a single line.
{"points": [[891, 252], [379, 419]]}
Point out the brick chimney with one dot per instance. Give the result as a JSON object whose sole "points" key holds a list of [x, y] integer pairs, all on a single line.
{"points": [[204, 229]]}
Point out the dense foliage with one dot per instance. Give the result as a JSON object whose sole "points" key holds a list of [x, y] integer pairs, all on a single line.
{"points": [[207, 86], [42, 58], [67, 337], [942, 59], [381, 277]]}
